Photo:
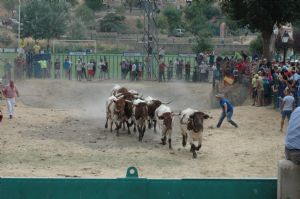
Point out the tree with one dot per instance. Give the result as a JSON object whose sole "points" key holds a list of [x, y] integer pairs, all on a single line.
{"points": [[112, 23], [203, 43], [262, 16], [94, 4], [173, 17], [139, 24], [197, 17], [77, 30], [86, 14], [43, 19]]}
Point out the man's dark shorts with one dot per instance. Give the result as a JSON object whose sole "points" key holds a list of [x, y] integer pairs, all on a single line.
{"points": [[285, 114], [254, 93], [293, 155]]}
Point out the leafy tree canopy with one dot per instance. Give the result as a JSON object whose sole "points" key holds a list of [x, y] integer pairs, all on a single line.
{"points": [[112, 23], [77, 30], [85, 14], [198, 16], [43, 19], [94, 4], [262, 15], [173, 17]]}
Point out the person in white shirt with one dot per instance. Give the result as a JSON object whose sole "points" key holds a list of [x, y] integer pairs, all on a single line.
{"points": [[287, 107]]}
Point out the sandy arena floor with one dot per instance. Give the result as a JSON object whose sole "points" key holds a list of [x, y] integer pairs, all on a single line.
{"points": [[59, 131]]}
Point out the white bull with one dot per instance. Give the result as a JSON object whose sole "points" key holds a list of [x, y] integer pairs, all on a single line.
{"points": [[191, 125]]}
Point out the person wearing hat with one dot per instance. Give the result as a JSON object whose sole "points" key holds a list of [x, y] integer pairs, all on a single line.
{"points": [[227, 111], [254, 89]]}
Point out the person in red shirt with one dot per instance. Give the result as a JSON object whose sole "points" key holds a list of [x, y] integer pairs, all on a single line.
{"points": [[10, 93], [161, 74]]}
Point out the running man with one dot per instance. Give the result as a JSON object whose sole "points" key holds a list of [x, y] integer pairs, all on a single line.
{"points": [[227, 111], [10, 93]]}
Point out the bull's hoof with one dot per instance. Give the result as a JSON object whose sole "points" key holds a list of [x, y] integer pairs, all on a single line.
{"points": [[194, 155], [170, 147], [129, 132], [140, 139], [134, 129], [183, 144], [106, 126], [118, 134]]}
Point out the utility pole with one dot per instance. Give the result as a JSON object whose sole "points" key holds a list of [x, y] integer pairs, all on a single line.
{"points": [[19, 26], [150, 38]]}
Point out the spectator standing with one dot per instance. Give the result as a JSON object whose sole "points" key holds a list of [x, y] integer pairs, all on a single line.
{"points": [[287, 107], [67, 68], [90, 70], [10, 93], [57, 69], [94, 67], [161, 53], [161, 73], [134, 68], [187, 71], [140, 70], [227, 111], [216, 76], [19, 67], [180, 68], [79, 69], [83, 71], [203, 72], [123, 69], [254, 88], [102, 69], [260, 90], [106, 69], [211, 58], [177, 65], [29, 62], [43, 65], [36, 48], [292, 139], [170, 70]]}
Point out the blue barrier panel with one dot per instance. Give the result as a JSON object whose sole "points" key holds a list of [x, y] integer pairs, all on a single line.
{"points": [[136, 188]]}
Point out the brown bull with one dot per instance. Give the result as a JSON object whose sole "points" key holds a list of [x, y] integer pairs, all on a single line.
{"points": [[140, 118]]}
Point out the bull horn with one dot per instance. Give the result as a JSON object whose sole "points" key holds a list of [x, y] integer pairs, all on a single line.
{"points": [[167, 102], [128, 101], [118, 94]]}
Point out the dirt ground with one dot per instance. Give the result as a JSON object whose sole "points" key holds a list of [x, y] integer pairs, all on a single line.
{"points": [[59, 131]]}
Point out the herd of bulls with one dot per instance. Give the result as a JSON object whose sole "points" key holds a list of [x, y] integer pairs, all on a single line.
{"points": [[129, 107]]}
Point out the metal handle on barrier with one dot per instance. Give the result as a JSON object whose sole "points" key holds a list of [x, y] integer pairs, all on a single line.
{"points": [[132, 172]]}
